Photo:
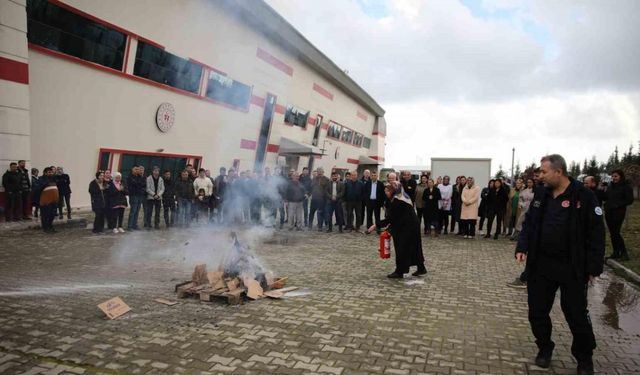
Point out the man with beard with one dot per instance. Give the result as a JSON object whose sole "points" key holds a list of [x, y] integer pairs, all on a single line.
{"points": [[562, 241]]}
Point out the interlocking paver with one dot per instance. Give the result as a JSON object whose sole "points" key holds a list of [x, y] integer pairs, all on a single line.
{"points": [[460, 319]]}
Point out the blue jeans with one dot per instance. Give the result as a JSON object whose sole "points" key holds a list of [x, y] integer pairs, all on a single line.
{"points": [[184, 211], [305, 210], [135, 202], [334, 206]]}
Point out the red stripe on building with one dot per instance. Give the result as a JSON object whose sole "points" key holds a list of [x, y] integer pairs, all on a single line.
{"points": [[281, 109], [248, 144], [273, 148], [274, 61], [362, 115], [378, 133], [325, 126], [311, 120], [379, 158], [256, 100], [353, 161], [14, 71], [322, 91]]}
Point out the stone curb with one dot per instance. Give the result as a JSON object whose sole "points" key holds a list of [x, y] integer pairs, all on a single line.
{"points": [[629, 273]]}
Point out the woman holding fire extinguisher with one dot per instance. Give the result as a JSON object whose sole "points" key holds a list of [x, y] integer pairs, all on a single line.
{"points": [[403, 226]]}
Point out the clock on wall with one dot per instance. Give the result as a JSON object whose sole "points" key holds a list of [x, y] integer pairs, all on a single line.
{"points": [[165, 117]]}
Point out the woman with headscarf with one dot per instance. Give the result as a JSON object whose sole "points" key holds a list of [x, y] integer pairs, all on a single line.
{"points": [[403, 226]]}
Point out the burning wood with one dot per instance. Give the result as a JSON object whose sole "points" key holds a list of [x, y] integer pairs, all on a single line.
{"points": [[239, 274]]}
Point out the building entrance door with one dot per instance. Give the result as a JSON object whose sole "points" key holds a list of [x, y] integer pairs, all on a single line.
{"points": [[265, 131]]}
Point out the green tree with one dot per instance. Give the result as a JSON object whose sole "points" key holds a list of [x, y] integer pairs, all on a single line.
{"points": [[574, 169], [518, 171], [593, 169], [528, 171], [501, 173]]}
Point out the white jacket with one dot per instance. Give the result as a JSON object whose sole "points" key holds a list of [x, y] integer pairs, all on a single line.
{"points": [[151, 187], [203, 183]]}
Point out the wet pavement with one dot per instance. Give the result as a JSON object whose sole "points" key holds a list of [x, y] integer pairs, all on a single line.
{"points": [[348, 318]]}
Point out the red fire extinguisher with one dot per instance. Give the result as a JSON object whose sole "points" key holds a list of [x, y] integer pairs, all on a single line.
{"points": [[385, 245]]}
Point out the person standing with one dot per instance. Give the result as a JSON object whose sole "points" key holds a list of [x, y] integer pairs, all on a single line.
{"points": [[305, 180], [456, 203], [512, 210], [34, 183], [374, 194], [11, 182], [409, 185], [155, 190], [617, 197], [294, 198], [221, 188], [366, 178], [137, 189], [25, 190], [97, 189], [403, 226], [430, 200], [117, 203], [446, 192], [353, 193], [168, 199], [319, 186], [590, 183], [526, 197], [334, 194], [482, 211], [185, 194], [420, 201], [47, 195], [496, 206], [562, 241], [64, 187], [470, 198]]}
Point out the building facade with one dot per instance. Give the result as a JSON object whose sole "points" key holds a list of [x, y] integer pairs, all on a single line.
{"points": [[91, 85]]}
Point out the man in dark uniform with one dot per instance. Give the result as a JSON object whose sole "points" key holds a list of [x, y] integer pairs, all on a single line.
{"points": [[562, 241]]}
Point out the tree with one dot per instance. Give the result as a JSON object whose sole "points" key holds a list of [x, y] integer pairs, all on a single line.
{"points": [[593, 169], [501, 173], [528, 171], [574, 169], [518, 172], [585, 167]]}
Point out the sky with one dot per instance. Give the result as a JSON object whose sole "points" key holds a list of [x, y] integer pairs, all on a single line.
{"points": [[477, 78]]}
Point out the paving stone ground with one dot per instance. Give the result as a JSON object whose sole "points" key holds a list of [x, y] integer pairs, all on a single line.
{"points": [[460, 319]]}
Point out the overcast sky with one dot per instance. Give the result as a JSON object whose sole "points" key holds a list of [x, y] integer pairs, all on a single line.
{"points": [[475, 78]]}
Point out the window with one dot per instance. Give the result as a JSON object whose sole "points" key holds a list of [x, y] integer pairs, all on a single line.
{"points": [[357, 139], [60, 30], [226, 90], [104, 161], [296, 116], [173, 164], [366, 142], [334, 130], [163, 67], [347, 135]]}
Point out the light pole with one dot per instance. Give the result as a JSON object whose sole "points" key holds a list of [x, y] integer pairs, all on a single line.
{"points": [[513, 154]]}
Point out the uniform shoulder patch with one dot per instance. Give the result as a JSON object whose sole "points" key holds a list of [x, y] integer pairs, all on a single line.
{"points": [[598, 211], [536, 204]]}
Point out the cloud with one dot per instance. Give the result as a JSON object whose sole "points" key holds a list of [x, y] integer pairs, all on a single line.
{"points": [[478, 77]]}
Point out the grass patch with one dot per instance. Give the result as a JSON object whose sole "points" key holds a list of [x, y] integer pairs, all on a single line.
{"points": [[631, 235]]}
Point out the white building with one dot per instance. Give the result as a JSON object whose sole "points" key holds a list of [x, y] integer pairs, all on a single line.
{"points": [[92, 85]]}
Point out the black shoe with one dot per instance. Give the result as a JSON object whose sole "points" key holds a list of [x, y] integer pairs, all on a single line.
{"points": [[487, 236], [421, 271], [543, 360], [329, 230], [585, 368], [495, 236], [340, 229], [395, 275]]}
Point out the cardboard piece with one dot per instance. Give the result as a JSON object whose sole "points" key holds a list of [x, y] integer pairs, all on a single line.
{"points": [[254, 290], [220, 284], [114, 308], [233, 284], [280, 283], [165, 301], [269, 278], [285, 290], [214, 276], [199, 276], [181, 290], [274, 294]]}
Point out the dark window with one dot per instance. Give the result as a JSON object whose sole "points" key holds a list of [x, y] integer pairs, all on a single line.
{"points": [[60, 30], [224, 89], [175, 165], [163, 67], [296, 116], [366, 142], [357, 139], [347, 135], [334, 130], [104, 161]]}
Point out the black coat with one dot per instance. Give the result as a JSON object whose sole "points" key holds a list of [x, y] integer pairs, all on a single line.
{"points": [[410, 188], [617, 196], [482, 210], [98, 197], [11, 181], [63, 181], [586, 229], [497, 201], [295, 192], [430, 204], [136, 186], [380, 197], [25, 180], [184, 189], [456, 202], [405, 230], [169, 189], [116, 197]]}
